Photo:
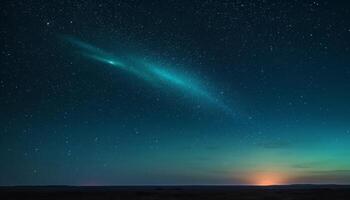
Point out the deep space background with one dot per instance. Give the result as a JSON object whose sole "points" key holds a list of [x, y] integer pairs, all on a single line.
{"points": [[277, 74]]}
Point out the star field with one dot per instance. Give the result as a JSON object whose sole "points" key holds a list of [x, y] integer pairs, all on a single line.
{"points": [[174, 92]]}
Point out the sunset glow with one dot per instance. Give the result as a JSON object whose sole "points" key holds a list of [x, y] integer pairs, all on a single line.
{"points": [[268, 178]]}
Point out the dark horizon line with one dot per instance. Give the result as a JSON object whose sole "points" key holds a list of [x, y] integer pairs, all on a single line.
{"points": [[185, 185]]}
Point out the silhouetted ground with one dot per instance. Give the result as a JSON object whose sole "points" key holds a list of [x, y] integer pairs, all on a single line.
{"points": [[329, 192]]}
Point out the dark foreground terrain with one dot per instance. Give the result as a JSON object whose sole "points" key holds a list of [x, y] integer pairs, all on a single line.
{"points": [[330, 192]]}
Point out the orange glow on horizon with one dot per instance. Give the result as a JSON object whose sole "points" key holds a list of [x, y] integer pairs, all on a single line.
{"points": [[268, 178]]}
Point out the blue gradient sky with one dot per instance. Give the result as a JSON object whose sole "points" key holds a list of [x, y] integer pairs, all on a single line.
{"points": [[135, 93]]}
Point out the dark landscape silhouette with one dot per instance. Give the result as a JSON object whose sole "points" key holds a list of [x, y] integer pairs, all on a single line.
{"points": [[285, 192]]}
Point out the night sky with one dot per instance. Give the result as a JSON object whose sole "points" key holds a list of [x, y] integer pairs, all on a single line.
{"points": [[174, 92]]}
